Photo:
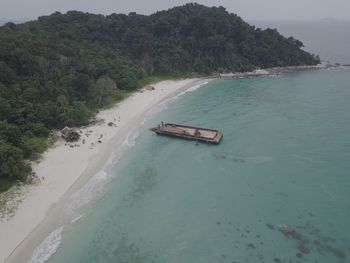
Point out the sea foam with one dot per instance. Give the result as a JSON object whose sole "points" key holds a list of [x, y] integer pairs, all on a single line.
{"points": [[87, 193], [193, 88], [48, 247], [130, 139]]}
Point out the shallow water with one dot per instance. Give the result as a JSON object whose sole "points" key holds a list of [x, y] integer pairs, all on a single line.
{"points": [[277, 189]]}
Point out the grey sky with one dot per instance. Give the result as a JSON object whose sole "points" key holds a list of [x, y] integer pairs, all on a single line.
{"points": [[248, 9]]}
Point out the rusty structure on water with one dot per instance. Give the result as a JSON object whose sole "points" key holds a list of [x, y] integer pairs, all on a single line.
{"points": [[189, 132]]}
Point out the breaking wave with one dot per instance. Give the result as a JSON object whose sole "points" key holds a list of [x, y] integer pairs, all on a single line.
{"points": [[164, 105], [130, 139], [87, 193], [48, 247]]}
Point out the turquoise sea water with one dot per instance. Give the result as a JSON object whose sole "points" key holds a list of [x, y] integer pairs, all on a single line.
{"points": [[277, 189]]}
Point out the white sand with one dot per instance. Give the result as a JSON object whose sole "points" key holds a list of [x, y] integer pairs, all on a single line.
{"points": [[63, 166]]}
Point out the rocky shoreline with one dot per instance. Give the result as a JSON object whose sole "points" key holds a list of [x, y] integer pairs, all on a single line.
{"points": [[276, 71]]}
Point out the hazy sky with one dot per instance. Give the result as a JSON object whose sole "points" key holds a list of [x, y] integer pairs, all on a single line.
{"points": [[248, 9]]}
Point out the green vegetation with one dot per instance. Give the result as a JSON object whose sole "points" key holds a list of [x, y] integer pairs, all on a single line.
{"points": [[157, 78], [62, 68], [115, 97], [5, 184]]}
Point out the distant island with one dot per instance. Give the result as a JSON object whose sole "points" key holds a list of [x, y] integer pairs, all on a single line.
{"points": [[60, 69]]}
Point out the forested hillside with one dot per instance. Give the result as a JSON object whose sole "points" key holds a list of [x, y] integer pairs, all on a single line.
{"points": [[60, 69]]}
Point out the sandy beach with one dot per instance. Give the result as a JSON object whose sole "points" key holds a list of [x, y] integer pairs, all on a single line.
{"points": [[65, 168]]}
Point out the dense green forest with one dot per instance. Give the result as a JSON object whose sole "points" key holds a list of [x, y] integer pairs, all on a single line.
{"points": [[60, 69]]}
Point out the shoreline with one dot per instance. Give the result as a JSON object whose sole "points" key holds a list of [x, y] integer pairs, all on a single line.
{"points": [[64, 170], [276, 70], [67, 167]]}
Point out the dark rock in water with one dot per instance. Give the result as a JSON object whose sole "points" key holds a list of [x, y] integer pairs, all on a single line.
{"points": [[290, 232], [251, 245], [270, 226], [303, 249], [277, 260], [337, 252], [311, 214], [220, 156], [328, 239]]}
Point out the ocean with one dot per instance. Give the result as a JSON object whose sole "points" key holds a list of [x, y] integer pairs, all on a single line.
{"points": [[277, 188]]}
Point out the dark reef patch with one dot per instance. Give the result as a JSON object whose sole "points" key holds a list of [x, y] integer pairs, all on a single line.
{"points": [[251, 246], [270, 226], [321, 244]]}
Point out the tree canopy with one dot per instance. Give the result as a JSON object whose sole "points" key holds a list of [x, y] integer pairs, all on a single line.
{"points": [[59, 69]]}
